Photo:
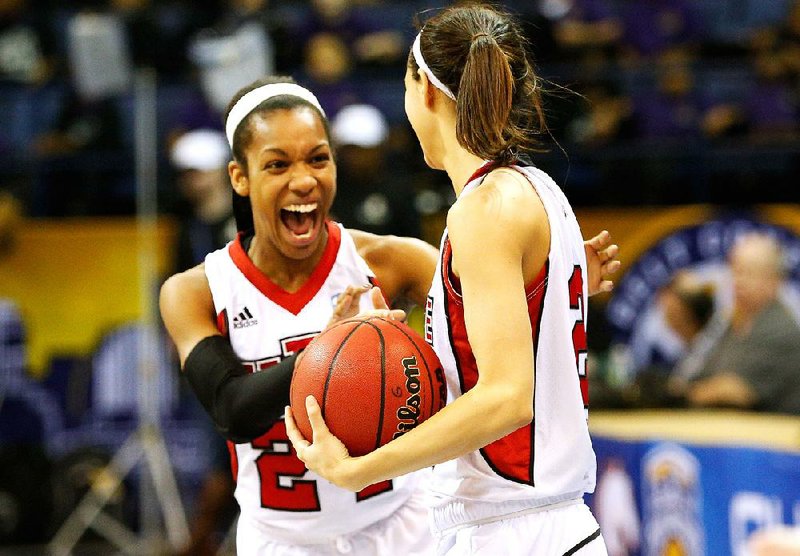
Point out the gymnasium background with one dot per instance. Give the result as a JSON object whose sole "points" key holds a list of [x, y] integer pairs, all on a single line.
{"points": [[680, 127]]}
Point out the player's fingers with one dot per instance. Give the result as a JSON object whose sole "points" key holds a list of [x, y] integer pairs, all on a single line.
{"points": [[606, 286], [318, 425], [600, 241], [378, 301], [346, 298], [611, 267], [611, 252], [389, 314], [292, 431]]}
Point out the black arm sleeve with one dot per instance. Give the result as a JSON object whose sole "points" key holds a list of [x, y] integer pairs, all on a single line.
{"points": [[243, 405]]}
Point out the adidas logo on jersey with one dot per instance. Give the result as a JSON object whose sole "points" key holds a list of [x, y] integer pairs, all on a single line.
{"points": [[244, 319]]}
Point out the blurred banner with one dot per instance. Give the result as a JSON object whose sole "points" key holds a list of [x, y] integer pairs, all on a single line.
{"points": [[682, 483]]}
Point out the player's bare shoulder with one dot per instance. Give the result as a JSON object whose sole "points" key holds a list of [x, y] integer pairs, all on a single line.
{"points": [[382, 250], [188, 287], [402, 265]]}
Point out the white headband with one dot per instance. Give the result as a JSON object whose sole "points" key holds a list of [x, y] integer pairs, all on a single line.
{"points": [[252, 99], [417, 52]]}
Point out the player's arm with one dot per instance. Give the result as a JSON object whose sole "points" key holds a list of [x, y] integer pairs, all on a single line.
{"points": [[242, 405], [403, 266], [499, 329]]}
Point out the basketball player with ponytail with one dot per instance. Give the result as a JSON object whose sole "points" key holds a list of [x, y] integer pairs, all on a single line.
{"points": [[507, 312]]}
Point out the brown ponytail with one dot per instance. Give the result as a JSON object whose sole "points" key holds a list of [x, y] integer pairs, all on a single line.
{"points": [[484, 101], [480, 54]]}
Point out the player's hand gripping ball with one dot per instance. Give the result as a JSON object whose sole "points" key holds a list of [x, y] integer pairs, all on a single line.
{"points": [[374, 379]]}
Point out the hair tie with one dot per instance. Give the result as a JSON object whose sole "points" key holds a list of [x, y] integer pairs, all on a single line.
{"points": [[416, 51], [252, 99]]}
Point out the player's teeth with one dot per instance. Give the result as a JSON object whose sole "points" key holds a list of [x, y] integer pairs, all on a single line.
{"points": [[302, 208]]}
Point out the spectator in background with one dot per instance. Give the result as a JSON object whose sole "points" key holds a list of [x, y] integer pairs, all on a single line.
{"points": [[771, 106], [158, 32], [230, 52], [589, 32], [674, 107], [686, 305], [80, 160], [754, 362], [377, 198], [369, 41], [27, 52], [200, 158], [327, 68], [607, 118], [85, 167], [653, 27]]}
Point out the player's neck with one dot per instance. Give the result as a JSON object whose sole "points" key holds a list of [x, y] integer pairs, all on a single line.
{"points": [[460, 165], [287, 273]]}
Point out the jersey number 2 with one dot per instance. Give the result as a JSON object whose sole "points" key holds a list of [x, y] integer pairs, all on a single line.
{"points": [[280, 472], [579, 344]]}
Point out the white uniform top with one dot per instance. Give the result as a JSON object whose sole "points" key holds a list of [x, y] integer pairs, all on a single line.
{"points": [[551, 460], [265, 324]]}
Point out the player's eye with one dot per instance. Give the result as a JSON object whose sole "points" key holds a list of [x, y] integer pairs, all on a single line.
{"points": [[275, 165], [320, 159]]}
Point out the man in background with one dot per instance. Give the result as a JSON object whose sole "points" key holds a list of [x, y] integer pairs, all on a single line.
{"points": [[755, 361]]}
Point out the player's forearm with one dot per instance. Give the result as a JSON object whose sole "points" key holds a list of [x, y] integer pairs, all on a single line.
{"points": [[242, 405], [474, 420]]}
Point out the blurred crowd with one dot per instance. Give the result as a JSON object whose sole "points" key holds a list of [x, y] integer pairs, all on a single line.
{"points": [[656, 102], [650, 102], [738, 348]]}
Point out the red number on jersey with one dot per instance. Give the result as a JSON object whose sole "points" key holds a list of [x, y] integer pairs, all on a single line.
{"points": [[579, 330], [279, 469], [279, 472]]}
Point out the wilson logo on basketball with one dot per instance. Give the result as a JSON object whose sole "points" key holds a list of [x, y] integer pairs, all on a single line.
{"points": [[408, 414]]}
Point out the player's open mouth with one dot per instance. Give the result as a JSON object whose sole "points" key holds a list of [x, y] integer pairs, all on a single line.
{"points": [[301, 221]]}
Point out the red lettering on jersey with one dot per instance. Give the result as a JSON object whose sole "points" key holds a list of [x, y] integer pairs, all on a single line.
{"points": [[373, 490], [290, 346], [279, 469], [280, 472], [579, 343]]}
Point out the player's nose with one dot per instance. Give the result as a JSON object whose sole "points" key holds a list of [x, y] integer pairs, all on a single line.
{"points": [[302, 182]]}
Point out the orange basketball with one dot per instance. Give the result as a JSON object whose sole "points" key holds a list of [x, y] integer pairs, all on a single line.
{"points": [[374, 379]]}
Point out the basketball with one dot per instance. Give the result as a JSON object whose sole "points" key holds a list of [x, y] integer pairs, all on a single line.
{"points": [[375, 379]]}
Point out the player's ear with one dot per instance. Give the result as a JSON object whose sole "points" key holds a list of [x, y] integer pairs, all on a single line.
{"points": [[239, 180], [428, 90]]}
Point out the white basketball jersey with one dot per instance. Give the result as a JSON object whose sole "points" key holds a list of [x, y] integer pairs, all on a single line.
{"points": [[550, 460], [265, 324]]}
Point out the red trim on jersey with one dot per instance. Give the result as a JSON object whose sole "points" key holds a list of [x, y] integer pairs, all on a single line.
{"points": [[292, 302], [510, 457], [485, 168], [222, 322], [234, 460]]}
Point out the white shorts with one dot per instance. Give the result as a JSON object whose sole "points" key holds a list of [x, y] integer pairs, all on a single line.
{"points": [[561, 531], [405, 532]]}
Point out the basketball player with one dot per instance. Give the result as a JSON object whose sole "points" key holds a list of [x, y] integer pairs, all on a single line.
{"points": [[254, 304], [507, 313]]}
